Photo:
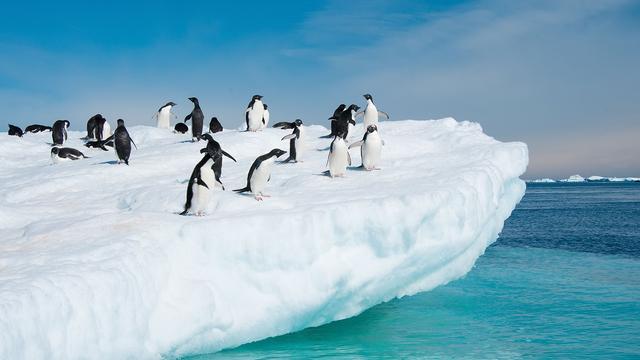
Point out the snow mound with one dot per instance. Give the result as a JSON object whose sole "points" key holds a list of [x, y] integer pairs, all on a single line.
{"points": [[95, 263]]}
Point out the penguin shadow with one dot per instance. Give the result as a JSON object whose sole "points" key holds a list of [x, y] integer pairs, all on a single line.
{"points": [[324, 149], [187, 141], [110, 162]]}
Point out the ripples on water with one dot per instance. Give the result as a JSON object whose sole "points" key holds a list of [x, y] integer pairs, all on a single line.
{"points": [[563, 281]]}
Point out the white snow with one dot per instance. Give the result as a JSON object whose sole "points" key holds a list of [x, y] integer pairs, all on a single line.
{"points": [[95, 263], [544, 180]]}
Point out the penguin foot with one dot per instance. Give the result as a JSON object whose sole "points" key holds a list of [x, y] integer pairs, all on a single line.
{"points": [[258, 197]]}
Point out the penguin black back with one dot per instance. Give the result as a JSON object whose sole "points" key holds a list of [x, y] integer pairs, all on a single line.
{"points": [[214, 125], [36, 128], [122, 142], [59, 131], [197, 119], [15, 131], [181, 128], [256, 164]]}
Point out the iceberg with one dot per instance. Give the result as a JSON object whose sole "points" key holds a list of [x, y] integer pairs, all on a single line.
{"points": [[574, 178], [96, 263], [545, 180]]}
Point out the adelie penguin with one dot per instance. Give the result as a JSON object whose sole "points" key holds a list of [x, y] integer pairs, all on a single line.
{"points": [[15, 131], [371, 112], [59, 131], [339, 157], [163, 116], [265, 117], [98, 128], [344, 121], [100, 144], [254, 114], [197, 119], [296, 145], [59, 154], [260, 174], [122, 142], [334, 118], [204, 177], [181, 128], [37, 128], [214, 125], [370, 148]]}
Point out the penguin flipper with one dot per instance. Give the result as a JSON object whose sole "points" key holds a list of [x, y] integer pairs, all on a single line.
{"points": [[356, 144], [282, 125], [353, 122], [201, 183], [186, 118], [289, 137], [227, 155], [380, 112], [244, 189]]}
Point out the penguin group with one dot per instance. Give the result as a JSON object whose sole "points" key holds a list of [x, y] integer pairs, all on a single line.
{"points": [[207, 173]]}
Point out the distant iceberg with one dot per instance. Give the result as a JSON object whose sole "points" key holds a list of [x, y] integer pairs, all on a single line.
{"points": [[96, 263], [544, 180], [574, 178]]}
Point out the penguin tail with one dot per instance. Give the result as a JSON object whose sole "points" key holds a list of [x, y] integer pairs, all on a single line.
{"points": [[326, 136], [184, 213], [244, 189]]}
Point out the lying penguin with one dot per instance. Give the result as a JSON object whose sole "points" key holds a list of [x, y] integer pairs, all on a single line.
{"points": [[59, 154], [296, 145], [15, 131], [260, 174], [204, 177]]}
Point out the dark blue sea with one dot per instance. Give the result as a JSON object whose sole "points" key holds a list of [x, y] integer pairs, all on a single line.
{"points": [[562, 281]]}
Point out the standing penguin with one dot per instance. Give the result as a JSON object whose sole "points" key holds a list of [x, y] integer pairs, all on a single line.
{"points": [[204, 177], [92, 123], [260, 173], [339, 157], [214, 125], [333, 118], [98, 128], [163, 116], [122, 142], [371, 112], [15, 131], [197, 118], [254, 114], [296, 146], [370, 148], [345, 120], [59, 131], [265, 117]]}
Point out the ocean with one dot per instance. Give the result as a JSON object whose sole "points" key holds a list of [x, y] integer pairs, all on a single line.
{"points": [[562, 281]]}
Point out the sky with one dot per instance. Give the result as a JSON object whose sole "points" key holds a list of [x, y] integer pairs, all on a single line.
{"points": [[561, 75]]}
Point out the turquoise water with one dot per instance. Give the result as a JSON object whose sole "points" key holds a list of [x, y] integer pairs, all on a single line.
{"points": [[563, 281]]}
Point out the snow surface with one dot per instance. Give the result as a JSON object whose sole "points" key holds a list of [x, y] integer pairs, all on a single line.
{"points": [[95, 263]]}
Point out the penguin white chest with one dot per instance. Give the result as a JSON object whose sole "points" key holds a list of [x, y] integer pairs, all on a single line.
{"points": [[164, 118], [338, 158], [106, 130], [300, 145], [260, 176], [371, 151], [370, 114], [255, 116], [202, 195]]}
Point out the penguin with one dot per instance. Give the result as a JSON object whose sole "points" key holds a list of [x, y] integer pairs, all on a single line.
{"points": [[15, 131], [265, 117], [295, 139], [345, 120], [339, 157], [181, 128], [204, 177], [59, 131], [122, 142], [163, 116], [59, 154], [214, 125], [99, 144], [333, 118], [254, 115], [260, 174], [197, 118], [92, 127], [370, 148], [36, 128], [371, 112]]}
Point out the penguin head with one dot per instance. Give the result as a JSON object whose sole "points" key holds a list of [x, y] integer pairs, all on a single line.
{"points": [[354, 107], [207, 137], [265, 106], [120, 122], [256, 97], [277, 152], [368, 97], [372, 128], [194, 100], [171, 103], [55, 150], [298, 122]]}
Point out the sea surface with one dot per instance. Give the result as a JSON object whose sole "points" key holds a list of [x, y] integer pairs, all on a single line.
{"points": [[562, 281]]}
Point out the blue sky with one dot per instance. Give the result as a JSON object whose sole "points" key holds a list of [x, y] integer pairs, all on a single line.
{"points": [[563, 75]]}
